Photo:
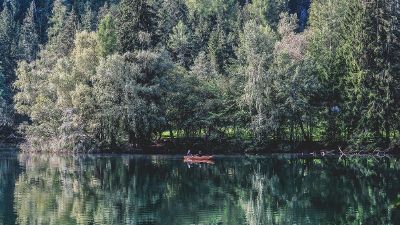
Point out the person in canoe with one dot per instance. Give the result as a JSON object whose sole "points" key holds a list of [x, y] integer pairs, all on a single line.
{"points": [[189, 153], [199, 154]]}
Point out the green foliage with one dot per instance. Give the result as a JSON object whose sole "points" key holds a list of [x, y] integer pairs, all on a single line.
{"points": [[63, 26], [202, 68], [128, 90], [294, 82], [29, 39], [209, 8], [135, 25], [195, 99], [5, 111], [180, 43], [169, 13], [380, 83], [88, 20], [335, 49], [106, 36], [255, 54], [8, 47], [353, 46], [266, 11]]}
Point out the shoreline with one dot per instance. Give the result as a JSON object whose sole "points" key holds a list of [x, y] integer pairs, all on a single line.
{"points": [[180, 147], [219, 154]]}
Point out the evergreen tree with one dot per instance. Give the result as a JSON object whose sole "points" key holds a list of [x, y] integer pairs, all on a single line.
{"points": [[220, 48], [63, 26], [8, 46], [325, 50], [29, 39], [180, 43], [266, 11], [88, 18], [135, 25], [103, 11], [59, 15], [209, 104], [169, 13], [380, 82], [351, 52], [15, 7], [106, 36], [4, 106], [43, 13]]}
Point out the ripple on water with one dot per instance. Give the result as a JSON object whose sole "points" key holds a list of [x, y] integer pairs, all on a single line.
{"points": [[164, 190]]}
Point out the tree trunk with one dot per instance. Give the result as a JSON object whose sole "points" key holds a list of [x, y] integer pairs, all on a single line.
{"points": [[303, 132], [132, 138]]}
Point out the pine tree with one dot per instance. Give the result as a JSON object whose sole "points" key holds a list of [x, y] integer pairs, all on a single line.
{"points": [[180, 43], [267, 11], [380, 84], [103, 11], [63, 26], [135, 25], [8, 46], [4, 106], [332, 57], [351, 52], [106, 36], [88, 18], [220, 49], [15, 6], [70, 30], [29, 39], [169, 13], [59, 15], [44, 9]]}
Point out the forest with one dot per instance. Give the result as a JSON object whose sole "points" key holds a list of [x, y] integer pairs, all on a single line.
{"points": [[79, 75]]}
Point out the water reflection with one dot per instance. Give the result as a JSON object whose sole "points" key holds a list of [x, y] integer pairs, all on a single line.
{"points": [[8, 174], [235, 190]]}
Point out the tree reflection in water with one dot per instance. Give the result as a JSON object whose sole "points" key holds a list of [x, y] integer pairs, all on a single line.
{"points": [[236, 190], [8, 174]]}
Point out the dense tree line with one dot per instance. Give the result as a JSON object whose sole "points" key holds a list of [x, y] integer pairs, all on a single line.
{"points": [[87, 74]]}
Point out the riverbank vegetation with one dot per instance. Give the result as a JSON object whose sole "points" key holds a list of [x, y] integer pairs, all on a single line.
{"points": [[80, 76]]}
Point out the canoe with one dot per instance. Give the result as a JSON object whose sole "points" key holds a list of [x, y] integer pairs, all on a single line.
{"points": [[194, 157], [198, 159]]}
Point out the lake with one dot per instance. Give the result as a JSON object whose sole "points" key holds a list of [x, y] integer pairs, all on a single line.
{"points": [[155, 189]]}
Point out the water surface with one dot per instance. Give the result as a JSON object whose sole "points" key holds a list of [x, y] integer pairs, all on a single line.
{"points": [[123, 189]]}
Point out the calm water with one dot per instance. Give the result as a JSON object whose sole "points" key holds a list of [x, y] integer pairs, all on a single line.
{"points": [[44, 189]]}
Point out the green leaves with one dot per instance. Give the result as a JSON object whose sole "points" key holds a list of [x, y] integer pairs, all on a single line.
{"points": [[256, 55], [107, 37], [204, 68], [180, 43]]}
